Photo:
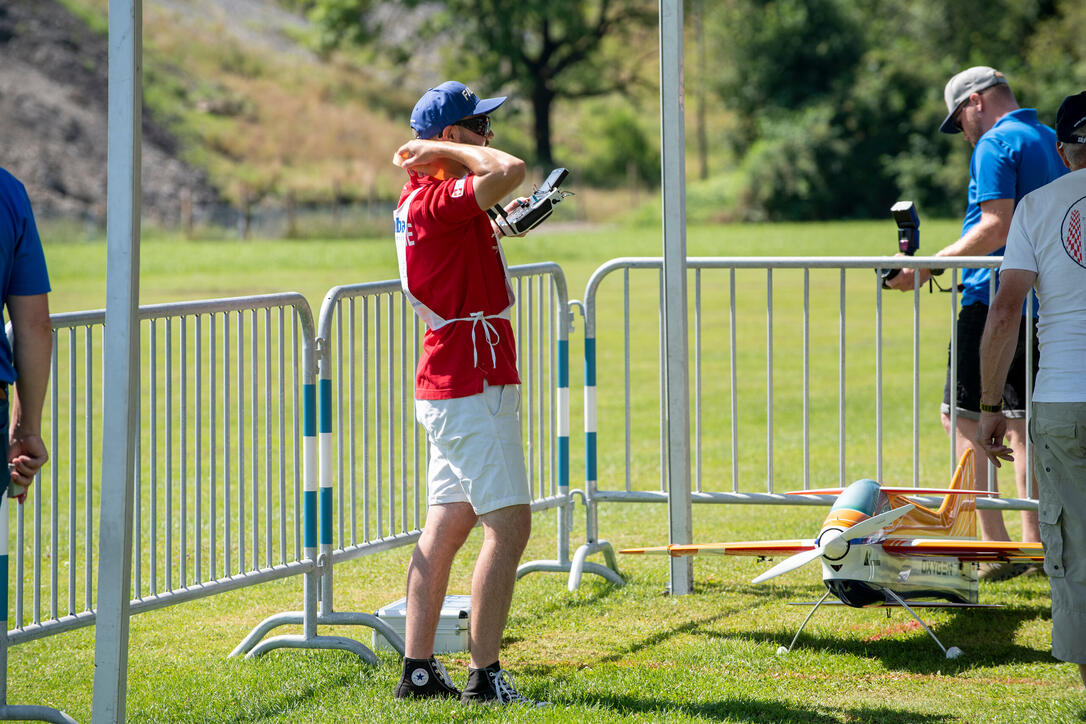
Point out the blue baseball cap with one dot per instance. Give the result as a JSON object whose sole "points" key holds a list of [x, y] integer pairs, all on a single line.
{"points": [[445, 105]]}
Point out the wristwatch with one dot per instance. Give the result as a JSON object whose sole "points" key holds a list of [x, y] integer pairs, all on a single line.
{"points": [[992, 408]]}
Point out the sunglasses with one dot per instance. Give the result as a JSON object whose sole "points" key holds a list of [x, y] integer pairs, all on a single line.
{"points": [[476, 124], [957, 120]]}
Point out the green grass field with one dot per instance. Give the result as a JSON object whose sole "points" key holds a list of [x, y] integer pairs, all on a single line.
{"points": [[604, 653]]}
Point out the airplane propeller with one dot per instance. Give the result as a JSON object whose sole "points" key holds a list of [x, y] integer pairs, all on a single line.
{"points": [[834, 543]]}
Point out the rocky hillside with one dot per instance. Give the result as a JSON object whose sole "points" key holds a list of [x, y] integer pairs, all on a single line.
{"points": [[53, 107]]}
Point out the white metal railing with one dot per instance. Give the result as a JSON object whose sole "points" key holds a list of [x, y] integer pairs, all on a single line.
{"points": [[825, 362], [217, 459], [269, 446], [372, 480]]}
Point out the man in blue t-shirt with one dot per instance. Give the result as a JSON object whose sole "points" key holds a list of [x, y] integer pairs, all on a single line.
{"points": [[1013, 154], [24, 290]]}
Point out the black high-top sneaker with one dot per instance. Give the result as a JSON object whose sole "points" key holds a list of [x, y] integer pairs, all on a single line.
{"points": [[491, 685], [423, 679]]}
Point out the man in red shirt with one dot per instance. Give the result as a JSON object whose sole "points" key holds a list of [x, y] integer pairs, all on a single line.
{"points": [[467, 394]]}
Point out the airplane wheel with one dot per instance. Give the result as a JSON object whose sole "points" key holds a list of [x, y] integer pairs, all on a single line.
{"points": [[953, 652]]}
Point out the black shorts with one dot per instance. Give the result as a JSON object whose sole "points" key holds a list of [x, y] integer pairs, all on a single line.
{"points": [[970, 328]]}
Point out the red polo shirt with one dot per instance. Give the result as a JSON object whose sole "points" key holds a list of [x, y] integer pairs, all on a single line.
{"points": [[453, 271]]}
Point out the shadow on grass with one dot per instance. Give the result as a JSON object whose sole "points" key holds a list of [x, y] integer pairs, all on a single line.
{"points": [[986, 637], [558, 605], [693, 627], [761, 710]]}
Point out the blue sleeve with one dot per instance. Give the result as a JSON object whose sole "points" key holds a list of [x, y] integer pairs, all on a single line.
{"points": [[28, 273], [996, 171]]}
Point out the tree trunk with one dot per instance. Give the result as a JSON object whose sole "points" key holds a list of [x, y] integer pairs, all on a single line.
{"points": [[703, 72], [542, 99]]}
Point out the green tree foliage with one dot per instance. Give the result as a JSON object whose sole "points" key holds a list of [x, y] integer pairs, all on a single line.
{"points": [[831, 107], [541, 51], [788, 53], [620, 153], [839, 101], [1056, 56]]}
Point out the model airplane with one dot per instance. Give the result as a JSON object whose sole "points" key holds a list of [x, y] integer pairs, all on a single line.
{"points": [[878, 548]]}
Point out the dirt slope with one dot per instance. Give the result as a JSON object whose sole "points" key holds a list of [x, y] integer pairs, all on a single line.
{"points": [[53, 107]]}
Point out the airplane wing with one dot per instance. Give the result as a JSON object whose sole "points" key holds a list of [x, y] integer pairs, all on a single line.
{"points": [[912, 604], [764, 548], [898, 491], [936, 491], [966, 550]]}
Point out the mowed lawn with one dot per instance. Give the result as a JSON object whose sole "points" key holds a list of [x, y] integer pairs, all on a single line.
{"points": [[604, 653]]}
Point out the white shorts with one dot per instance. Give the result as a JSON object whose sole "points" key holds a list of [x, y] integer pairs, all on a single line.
{"points": [[476, 453]]}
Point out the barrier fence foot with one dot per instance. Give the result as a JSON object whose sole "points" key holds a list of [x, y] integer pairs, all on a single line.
{"points": [[343, 618], [279, 619], [9, 712], [542, 566], [580, 566], [341, 643], [246, 647]]}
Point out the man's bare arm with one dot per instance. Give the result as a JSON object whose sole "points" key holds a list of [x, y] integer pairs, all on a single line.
{"points": [[1000, 337], [997, 347], [497, 173], [988, 234], [33, 348]]}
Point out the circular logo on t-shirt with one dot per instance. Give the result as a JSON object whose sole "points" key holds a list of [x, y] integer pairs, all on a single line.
{"points": [[1071, 232]]}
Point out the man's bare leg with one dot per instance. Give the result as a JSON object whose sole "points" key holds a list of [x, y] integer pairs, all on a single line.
{"points": [[447, 527], [991, 521], [505, 535], [1016, 440]]}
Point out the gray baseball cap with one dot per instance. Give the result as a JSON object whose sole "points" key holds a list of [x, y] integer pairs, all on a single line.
{"points": [[964, 84]]}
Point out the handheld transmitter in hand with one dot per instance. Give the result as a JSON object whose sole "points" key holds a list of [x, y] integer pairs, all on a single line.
{"points": [[531, 212], [908, 234]]}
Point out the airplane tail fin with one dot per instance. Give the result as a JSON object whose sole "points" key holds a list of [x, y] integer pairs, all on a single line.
{"points": [[956, 517], [964, 514]]}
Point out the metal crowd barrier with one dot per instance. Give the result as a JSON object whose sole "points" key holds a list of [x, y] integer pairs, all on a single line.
{"points": [[232, 491], [749, 456], [16, 711], [218, 461], [372, 453]]}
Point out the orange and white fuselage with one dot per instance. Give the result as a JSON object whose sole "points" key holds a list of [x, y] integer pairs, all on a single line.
{"points": [[878, 542]]}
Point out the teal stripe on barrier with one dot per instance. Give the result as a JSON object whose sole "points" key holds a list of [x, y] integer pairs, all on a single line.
{"points": [[590, 361], [310, 505], [563, 363], [563, 462], [326, 516], [590, 455], [326, 405], [309, 410]]}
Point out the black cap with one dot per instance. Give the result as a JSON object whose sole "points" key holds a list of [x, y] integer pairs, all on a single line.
{"points": [[1070, 119]]}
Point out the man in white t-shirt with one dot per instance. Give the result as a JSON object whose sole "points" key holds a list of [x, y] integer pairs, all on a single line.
{"points": [[1045, 250]]}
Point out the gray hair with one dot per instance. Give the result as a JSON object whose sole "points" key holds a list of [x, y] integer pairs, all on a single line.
{"points": [[1076, 154]]}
